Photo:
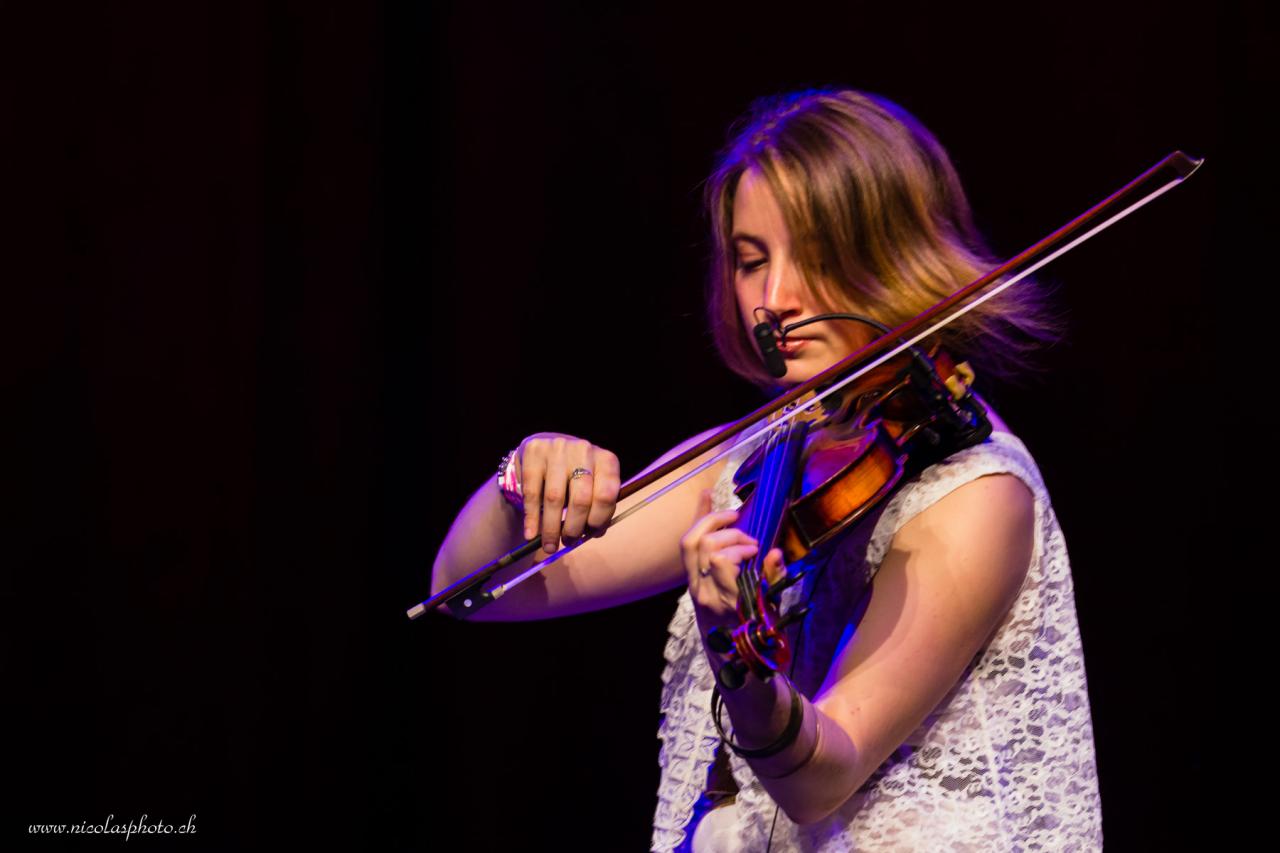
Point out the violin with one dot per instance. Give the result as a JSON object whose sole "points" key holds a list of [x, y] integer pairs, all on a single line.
{"points": [[837, 445], [815, 477]]}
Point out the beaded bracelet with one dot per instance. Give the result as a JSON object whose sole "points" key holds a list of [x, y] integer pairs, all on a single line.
{"points": [[508, 482]]}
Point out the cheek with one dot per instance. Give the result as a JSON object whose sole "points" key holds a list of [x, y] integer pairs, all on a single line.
{"points": [[854, 336], [746, 306]]}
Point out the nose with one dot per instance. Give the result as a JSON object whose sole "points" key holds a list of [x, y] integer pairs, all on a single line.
{"points": [[783, 290]]}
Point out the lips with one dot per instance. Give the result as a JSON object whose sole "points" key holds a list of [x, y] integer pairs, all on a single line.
{"points": [[792, 346]]}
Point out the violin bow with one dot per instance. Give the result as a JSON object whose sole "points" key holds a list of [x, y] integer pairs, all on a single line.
{"points": [[466, 595]]}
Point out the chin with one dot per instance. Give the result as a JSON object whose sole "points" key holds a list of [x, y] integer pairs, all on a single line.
{"points": [[798, 373]]}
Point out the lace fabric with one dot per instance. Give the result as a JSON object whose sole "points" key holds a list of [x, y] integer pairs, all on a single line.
{"points": [[1005, 761]]}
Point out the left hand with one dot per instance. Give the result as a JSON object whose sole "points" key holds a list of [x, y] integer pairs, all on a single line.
{"points": [[712, 550]]}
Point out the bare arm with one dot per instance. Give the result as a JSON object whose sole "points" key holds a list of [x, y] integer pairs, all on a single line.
{"points": [[639, 557], [951, 575]]}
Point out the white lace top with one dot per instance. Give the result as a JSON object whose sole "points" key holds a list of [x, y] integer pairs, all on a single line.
{"points": [[1005, 762]]}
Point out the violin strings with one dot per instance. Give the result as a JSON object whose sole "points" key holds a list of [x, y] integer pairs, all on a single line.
{"points": [[748, 575]]}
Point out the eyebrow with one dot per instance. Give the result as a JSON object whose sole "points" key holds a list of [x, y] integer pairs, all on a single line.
{"points": [[750, 238]]}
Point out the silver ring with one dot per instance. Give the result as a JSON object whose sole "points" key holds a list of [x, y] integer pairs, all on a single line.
{"points": [[580, 472], [704, 571]]}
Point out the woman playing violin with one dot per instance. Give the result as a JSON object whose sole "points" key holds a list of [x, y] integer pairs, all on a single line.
{"points": [[936, 697]]}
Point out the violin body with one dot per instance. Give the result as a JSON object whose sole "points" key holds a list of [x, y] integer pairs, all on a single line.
{"points": [[858, 453]]}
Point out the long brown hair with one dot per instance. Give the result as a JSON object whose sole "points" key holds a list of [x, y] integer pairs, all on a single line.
{"points": [[879, 223]]}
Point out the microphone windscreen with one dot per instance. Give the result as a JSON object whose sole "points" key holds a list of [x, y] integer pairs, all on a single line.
{"points": [[767, 341]]}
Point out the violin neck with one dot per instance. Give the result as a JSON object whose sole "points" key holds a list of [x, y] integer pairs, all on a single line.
{"points": [[779, 473]]}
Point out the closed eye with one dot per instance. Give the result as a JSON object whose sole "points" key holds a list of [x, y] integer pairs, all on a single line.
{"points": [[748, 266]]}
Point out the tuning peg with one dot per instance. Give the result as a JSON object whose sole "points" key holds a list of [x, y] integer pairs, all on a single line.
{"points": [[720, 640]]}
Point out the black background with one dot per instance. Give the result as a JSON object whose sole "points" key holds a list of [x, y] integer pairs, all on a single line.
{"points": [[282, 281]]}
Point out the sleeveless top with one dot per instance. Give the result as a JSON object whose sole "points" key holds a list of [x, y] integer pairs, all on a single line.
{"points": [[1006, 760]]}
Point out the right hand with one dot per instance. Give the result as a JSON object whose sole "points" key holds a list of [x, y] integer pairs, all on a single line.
{"points": [[544, 462]]}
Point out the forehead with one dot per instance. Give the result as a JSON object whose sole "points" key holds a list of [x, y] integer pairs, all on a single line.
{"points": [[756, 212]]}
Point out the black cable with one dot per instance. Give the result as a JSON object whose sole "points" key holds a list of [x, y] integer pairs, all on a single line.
{"points": [[920, 358]]}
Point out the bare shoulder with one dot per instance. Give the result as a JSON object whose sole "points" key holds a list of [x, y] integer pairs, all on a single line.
{"points": [[991, 502], [981, 534], [995, 507]]}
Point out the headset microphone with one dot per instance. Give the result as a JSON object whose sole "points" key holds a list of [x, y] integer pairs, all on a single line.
{"points": [[767, 342]]}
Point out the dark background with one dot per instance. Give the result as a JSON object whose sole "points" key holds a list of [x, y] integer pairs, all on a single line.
{"points": [[282, 281]]}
